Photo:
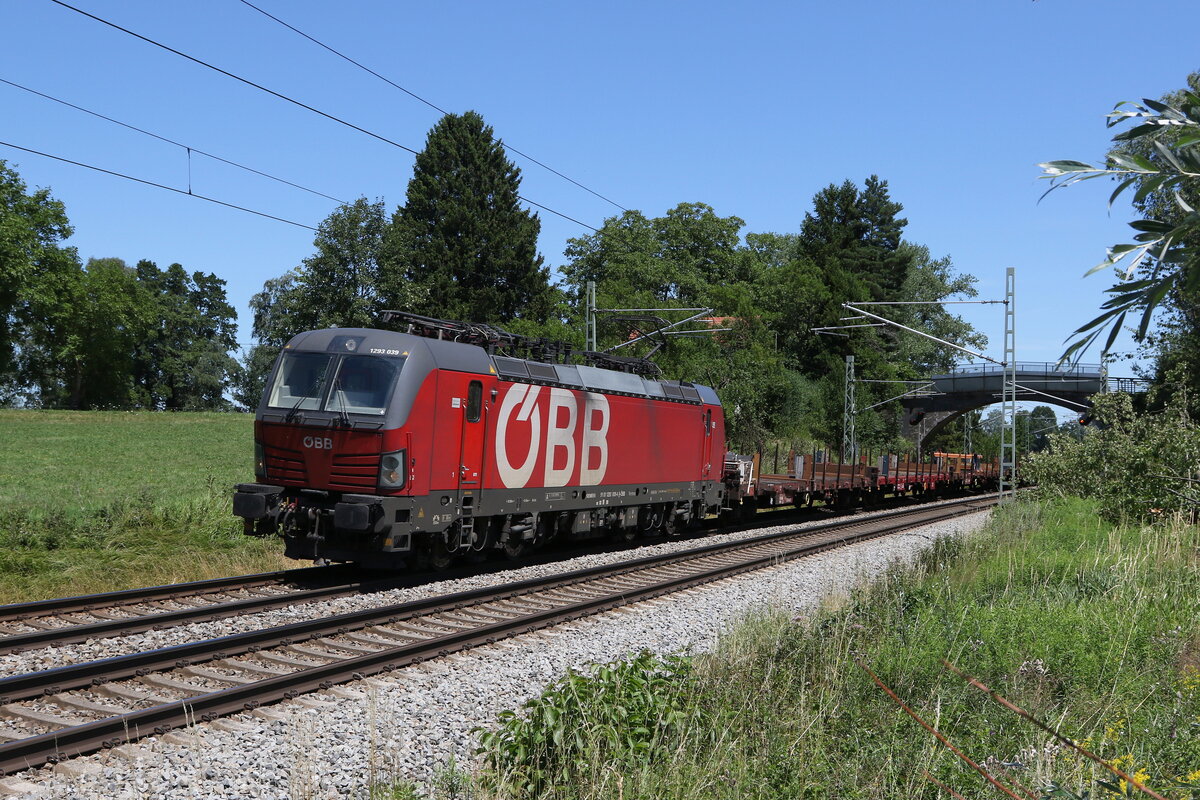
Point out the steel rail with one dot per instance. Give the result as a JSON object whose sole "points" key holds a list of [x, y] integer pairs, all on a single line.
{"points": [[18, 642], [127, 599], [17, 612], [57, 745]]}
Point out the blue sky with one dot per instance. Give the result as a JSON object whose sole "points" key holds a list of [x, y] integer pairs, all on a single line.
{"points": [[750, 107]]}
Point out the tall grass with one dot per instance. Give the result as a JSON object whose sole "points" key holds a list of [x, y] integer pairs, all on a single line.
{"points": [[95, 501], [1093, 628]]}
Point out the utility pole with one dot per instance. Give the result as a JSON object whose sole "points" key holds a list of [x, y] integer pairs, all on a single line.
{"points": [[590, 318], [1008, 463], [1008, 434], [849, 411]]}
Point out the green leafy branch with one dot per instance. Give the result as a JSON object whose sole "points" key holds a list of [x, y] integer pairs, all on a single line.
{"points": [[1176, 162]]}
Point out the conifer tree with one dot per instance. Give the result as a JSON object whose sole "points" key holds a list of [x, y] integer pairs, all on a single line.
{"points": [[858, 231], [461, 246]]}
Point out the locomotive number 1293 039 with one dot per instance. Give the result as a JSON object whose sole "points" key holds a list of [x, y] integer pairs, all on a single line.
{"points": [[380, 351]]}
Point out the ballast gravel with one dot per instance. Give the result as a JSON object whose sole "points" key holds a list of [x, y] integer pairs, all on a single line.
{"points": [[410, 724]]}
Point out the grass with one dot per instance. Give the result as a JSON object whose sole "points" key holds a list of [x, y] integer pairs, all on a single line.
{"points": [[94, 501], [1093, 628], [86, 460]]}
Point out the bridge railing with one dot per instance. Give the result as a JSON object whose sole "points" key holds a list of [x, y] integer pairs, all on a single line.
{"points": [[1054, 373], [1047, 367], [1128, 385]]}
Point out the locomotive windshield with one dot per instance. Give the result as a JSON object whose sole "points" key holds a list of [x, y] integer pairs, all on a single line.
{"points": [[359, 385]]}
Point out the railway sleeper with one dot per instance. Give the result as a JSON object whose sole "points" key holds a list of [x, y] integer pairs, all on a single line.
{"points": [[255, 668], [217, 677], [167, 682], [123, 691], [42, 719], [83, 704], [8, 734], [351, 647], [313, 652], [289, 661]]}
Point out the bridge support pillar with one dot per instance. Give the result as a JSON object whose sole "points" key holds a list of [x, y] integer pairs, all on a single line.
{"points": [[928, 424]]}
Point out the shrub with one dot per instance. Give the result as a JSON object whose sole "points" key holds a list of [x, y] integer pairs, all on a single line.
{"points": [[618, 716], [1136, 467]]}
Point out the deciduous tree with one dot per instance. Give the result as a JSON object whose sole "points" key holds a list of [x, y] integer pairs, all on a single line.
{"points": [[184, 362], [1160, 158], [692, 257], [33, 259], [341, 284]]}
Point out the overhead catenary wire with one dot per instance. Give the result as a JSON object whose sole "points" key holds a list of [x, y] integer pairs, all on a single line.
{"points": [[186, 147], [188, 193], [284, 97], [418, 98]]}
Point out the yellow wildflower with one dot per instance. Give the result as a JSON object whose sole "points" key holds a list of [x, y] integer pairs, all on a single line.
{"points": [[1141, 776]]}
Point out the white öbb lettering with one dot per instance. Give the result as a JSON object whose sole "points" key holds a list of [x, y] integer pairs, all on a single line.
{"points": [[318, 442], [523, 408]]}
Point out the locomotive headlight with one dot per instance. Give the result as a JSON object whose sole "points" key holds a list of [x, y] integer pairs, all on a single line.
{"points": [[391, 470]]}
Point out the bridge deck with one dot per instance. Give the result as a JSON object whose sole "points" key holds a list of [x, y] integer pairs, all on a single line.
{"points": [[977, 385]]}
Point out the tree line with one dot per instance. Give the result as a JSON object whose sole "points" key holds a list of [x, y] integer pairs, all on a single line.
{"points": [[105, 334], [102, 334], [461, 246]]}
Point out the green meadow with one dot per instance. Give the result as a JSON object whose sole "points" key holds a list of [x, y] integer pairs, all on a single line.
{"points": [[99, 500]]}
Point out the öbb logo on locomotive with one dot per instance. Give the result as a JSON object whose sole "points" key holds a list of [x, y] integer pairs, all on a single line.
{"points": [[566, 443], [318, 442]]}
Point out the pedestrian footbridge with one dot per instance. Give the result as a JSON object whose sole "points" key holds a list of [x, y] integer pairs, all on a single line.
{"points": [[973, 386]]}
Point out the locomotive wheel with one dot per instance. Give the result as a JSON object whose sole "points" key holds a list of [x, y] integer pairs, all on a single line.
{"points": [[623, 535], [514, 549], [481, 550], [434, 555], [671, 526]]}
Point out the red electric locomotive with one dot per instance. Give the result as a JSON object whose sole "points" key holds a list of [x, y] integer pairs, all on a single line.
{"points": [[382, 448]]}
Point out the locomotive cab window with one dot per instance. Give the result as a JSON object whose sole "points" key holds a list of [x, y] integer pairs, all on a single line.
{"points": [[474, 401], [300, 381], [360, 384]]}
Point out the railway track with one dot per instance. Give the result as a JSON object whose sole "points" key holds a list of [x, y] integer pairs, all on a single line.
{"points": [[51, 715], [69, 620], [66, 620]]}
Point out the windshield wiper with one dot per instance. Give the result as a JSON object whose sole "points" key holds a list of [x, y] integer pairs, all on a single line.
{"points": [[343, 417], [308, 395]]}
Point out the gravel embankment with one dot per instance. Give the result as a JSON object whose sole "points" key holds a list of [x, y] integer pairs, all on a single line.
{"points": [[409, 724]]}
